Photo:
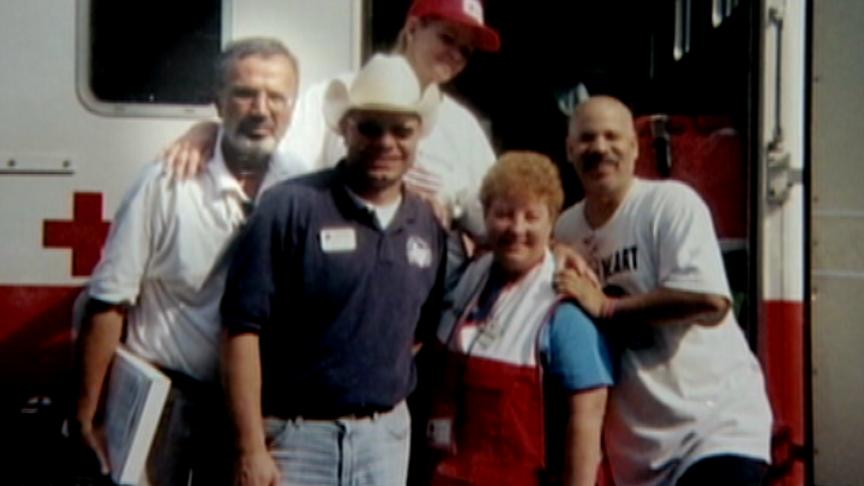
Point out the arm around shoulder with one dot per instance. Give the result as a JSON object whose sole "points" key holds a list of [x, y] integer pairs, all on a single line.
{"points": [[188, 155], [665, 305], [690, 269]]}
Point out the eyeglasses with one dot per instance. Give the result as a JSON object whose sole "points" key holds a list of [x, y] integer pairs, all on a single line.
{"points": [[375, 129], [273, 100]]}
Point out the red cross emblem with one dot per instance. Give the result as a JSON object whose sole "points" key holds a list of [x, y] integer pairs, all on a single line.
{"points": [[84, 234]]}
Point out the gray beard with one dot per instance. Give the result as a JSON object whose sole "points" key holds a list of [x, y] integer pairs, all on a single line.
{"points": [[245, 154]]}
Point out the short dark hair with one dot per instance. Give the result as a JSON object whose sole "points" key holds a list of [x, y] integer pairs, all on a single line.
{"points": [[250, 46]]}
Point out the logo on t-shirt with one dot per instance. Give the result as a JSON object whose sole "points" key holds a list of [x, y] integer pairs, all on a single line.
{"points": [[419, 253], [622, 260]]}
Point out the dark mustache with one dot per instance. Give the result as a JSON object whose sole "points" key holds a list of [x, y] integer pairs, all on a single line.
{"points": [[592, 160], [253, 122]]}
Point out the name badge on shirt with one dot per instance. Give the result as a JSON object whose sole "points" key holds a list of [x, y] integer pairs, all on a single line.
{"points": [[338, 240]]}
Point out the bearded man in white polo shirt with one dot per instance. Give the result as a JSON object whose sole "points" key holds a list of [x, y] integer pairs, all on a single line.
{"points": [[165, 262]]}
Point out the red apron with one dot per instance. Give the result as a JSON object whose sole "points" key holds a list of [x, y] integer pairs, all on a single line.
{"points": [[496, 412]]}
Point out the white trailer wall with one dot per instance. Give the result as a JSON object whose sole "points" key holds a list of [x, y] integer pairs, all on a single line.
{"points": [[837, 246], [42, 122]]}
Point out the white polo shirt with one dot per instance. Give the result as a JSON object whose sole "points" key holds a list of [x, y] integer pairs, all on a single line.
{"points": [[166, 257]]}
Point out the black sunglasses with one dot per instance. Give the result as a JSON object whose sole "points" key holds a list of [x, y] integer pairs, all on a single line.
{"points": [[374, 129]]}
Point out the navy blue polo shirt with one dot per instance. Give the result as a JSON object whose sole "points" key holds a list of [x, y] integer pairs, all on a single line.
{"points": [[335, 299]]}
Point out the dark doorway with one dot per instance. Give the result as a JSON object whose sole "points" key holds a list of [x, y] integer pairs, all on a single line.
{"points": [[624, 49]]}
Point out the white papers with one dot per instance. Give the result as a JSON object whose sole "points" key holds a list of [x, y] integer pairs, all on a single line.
{"points": [[135, 398]]}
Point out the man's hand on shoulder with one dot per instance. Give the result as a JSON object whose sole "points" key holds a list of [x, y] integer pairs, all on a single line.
{"points": [[188, 155], [568, 258], [570, 284]]}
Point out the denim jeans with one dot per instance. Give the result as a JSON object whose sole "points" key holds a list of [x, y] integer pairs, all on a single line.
{"points": [[370, 451]]}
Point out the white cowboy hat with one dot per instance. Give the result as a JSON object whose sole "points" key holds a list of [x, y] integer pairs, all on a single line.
{"points": [[385, 83]]}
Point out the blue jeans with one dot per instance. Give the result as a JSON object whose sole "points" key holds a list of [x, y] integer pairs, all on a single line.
{"points": [[370, 451]]}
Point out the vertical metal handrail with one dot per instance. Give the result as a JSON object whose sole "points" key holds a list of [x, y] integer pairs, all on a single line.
{"points": [[775, 20], [681, 44]]}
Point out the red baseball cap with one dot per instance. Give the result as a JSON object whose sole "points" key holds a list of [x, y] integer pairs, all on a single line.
{"points": [[465, 12]]}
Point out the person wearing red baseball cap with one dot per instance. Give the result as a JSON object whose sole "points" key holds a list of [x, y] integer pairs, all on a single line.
{"points": [[465, 12], [439, 37]]}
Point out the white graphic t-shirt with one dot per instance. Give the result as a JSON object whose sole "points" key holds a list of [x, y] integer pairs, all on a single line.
{"points": [[686, 391]]}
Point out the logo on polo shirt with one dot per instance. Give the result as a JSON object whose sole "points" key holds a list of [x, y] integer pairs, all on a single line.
{"points": [[419, 253]]}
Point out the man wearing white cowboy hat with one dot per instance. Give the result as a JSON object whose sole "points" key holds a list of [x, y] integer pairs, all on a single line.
{"points": [[336, 275]]}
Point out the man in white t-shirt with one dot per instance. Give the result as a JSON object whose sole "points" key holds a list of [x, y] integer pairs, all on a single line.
{"points": [[690, 406], [163, 271]]}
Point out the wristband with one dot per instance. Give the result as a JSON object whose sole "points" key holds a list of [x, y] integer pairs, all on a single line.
{"points": [[607, 309]]}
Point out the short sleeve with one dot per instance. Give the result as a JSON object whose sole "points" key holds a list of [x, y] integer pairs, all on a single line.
{"points": [[247, 302], [131, 241], [689, 254], [577, 356]]}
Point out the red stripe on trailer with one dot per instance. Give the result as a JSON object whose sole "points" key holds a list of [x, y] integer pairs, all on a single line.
{"points": [[35, 338], [782, 352], [84, 234]]}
